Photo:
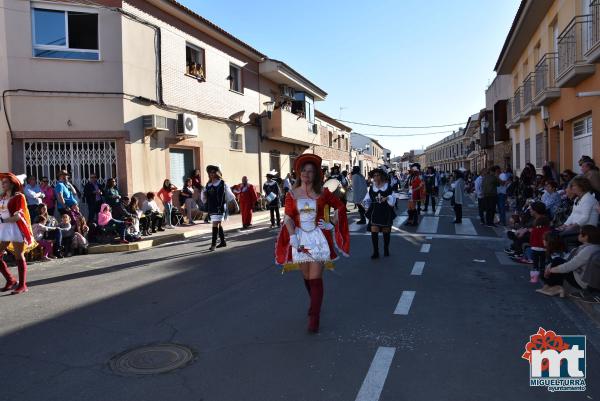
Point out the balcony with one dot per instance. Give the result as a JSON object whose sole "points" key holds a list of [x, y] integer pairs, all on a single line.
{"points": [[573, 44], [285, 126], [528, 90], [518, 114], [593, 53], [546, 90], [511, 122]]}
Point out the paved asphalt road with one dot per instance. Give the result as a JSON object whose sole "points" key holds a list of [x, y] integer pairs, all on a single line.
{"points": [[456, 331]]}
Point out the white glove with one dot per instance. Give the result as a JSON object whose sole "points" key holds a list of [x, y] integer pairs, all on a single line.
{"points": [[294, 243], [325, 226]]}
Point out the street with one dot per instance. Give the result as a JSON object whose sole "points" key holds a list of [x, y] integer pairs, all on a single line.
{"points": [[452, 327]]}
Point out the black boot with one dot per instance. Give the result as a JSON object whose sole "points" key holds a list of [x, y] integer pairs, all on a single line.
{"points": [[375, 241], [222, 243], [386, 244], [215, 232]]}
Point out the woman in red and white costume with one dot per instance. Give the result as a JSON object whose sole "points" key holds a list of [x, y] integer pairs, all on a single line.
{"points": [[15, 229], [308, 241]]}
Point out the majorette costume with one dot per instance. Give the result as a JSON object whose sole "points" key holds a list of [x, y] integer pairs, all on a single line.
{"points": [[15, 232], [271, 189], [217, 195], [315, 244], [248, 197], [380, 202]]}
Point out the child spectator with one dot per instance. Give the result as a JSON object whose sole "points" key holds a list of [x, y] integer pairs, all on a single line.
{"points": [[80, 241], [105, 219], [150, 208], [68, 232], [538, 250], [551, 198], [39, 229]]}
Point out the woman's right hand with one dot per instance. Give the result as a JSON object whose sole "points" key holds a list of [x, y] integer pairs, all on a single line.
{"points": [[294, 242]]}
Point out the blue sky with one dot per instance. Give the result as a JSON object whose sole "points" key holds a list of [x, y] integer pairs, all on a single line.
{"points": [[403, 62]]}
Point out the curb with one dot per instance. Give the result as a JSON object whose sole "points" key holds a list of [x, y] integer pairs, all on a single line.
{"points": [[164, 239]]}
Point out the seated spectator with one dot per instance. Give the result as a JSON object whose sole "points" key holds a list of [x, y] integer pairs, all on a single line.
{"points": [[541, 226], [590, 171], [49, 197], [551, 198], [584, 209], [566, 177], [150, 209], [80, 237], [121, 210], [68, 232], [573, 270], [141, 222], [53, 235], [186, 199], [39, 231], [105, 219], [522, 235]]}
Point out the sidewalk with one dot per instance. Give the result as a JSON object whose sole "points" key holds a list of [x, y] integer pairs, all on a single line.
{"points": [[180, 233]]}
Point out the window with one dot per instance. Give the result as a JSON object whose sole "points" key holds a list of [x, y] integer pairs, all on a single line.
{"points": [[330, 139], [518, 155], [235, 79], [65, 34], [539, 150], [339, 142], [237, 141], [293, 157], [346, 144], [275, 160], [527, 150], [194, 61]]}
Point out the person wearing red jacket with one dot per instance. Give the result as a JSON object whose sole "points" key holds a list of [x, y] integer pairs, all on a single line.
{"points": [[538, 250], [247, 198], [308, 240], [15, 230]]}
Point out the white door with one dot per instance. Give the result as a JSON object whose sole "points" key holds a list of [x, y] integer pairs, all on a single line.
{"points": [[182, 162], [582, 140]]}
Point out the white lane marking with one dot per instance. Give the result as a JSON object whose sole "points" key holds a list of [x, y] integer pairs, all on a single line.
{"points": [[417, 269], [442, 236], [355, 227], [425, 248], [404, 303], [439, 207], [399, 220], [428, 237], [465, 228], [428, 224], [371, 388]]}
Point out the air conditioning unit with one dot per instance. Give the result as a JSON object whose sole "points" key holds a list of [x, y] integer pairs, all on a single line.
{"points": [[187, 124], [153, 122], [287, 91]]}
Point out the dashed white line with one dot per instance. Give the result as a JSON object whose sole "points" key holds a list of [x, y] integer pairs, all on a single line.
{"points": [[425, 248], [370, 390], [404, 303], [417, 269]]}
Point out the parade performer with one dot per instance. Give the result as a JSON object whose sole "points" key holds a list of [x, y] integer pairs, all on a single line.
{"points": [[271, 189], [217, 195], [308, 240], [416, 188], [248, 197], [380, 202], [15, 230]]}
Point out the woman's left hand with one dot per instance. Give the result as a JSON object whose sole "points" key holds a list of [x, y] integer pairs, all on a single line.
{"points": [[324, 225]]}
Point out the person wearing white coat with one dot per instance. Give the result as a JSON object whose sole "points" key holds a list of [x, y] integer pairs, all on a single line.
{"points": [[585, 209]]}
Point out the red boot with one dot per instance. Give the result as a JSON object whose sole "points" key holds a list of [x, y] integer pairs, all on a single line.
{"points": [[316, 299], [10, 280], [22, 265]]}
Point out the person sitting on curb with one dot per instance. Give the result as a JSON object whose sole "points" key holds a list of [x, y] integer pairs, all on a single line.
{"points": [[584, 209], [573, 270], [521, 236]]}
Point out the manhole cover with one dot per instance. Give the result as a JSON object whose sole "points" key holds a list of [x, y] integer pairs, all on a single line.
{"points": [[152, 359]]}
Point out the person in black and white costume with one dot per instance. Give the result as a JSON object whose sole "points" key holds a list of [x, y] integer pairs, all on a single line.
{"points": [[217, 195], [271, 190], [380, 201]]}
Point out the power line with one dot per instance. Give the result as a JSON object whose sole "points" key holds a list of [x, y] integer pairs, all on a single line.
{"points": [[401, 135], [402, 127]]}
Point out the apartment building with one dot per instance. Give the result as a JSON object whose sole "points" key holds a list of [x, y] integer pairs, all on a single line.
{"points": [[143, 91], [449, 153], [550, 54], [334, 142], [367, 153], [495, 136]]}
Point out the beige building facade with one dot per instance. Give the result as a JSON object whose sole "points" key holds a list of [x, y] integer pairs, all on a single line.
{"points": [[449, 153], [144, 94], [551, 55], [334, 142]]}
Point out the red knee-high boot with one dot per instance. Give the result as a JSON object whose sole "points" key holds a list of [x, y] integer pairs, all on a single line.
{"points": [[316, 299], [22, 265], [10, 280]]}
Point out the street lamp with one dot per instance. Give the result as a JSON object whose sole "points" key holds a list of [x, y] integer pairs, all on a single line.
{"points": [[270, 105]]}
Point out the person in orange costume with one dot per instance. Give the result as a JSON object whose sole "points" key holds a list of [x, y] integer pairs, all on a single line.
{"points": [[15, 230], [247, 197], [308, 240]]}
